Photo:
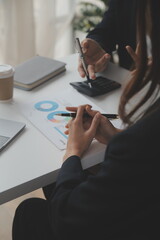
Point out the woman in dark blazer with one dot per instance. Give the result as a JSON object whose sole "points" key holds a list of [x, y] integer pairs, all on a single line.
{"points": [[122, 200]]}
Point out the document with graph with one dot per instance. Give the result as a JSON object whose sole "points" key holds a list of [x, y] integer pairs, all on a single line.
{"points": [[42, 110]]}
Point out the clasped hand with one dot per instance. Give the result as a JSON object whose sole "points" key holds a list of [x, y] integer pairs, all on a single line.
{"points": [[82, 130]]}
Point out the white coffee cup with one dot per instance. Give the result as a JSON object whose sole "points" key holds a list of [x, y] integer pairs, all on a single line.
{"points": [[6, 82]]}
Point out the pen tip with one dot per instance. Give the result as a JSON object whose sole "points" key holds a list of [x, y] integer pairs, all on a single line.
{"points": [[90, 85], [58, 114]]}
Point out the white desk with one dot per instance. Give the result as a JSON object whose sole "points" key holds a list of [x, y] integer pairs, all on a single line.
{"points": [[31, 161]]}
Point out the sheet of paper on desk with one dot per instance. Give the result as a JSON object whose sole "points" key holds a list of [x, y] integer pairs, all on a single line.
{"points": [[41, 111]]}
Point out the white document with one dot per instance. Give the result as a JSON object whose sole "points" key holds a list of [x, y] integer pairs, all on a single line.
{"points": [[41, 111]]}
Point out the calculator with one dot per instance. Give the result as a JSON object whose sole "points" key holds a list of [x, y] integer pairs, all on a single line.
{"points": [[99, 86]]}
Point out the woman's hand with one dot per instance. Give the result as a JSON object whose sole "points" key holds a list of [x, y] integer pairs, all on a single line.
{"points": [[80, 137], [135, 56], [105, 130], [96, 58]]}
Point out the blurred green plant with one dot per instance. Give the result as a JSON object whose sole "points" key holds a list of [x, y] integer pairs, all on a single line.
{"points": [[88, 15]]}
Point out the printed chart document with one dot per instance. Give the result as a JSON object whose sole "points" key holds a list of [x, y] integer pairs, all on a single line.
{"points": [[42, 110]]}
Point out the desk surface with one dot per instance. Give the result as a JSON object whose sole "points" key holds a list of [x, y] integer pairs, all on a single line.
{"points": [[31, 161]]}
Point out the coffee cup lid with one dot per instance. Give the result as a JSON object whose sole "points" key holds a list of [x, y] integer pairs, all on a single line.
{"points": [[6, 70]]}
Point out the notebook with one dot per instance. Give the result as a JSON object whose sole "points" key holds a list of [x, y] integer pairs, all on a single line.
{"points": [[8, 131], [36, 71]]}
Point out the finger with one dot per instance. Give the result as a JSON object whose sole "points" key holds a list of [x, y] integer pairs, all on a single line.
{"points": [[66, 132], [88, 107], [79, 115], [85, 45], [131, 53], [102, 62], [74, 109], [81, 69], [91, 71], [94, 124], [70, 123], [91, 112], [67, 126]]}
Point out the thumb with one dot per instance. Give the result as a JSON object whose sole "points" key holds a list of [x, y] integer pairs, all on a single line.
{"points": [[94, 124], [84, 45]]}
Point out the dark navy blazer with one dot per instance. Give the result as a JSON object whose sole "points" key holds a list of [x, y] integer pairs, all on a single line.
{"points": [[123, 200]]}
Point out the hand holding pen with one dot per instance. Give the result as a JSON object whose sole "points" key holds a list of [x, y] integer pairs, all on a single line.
{"points": [[105, 128], [96, 58], [82, 58]]}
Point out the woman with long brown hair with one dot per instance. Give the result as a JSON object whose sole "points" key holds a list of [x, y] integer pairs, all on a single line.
{"points": [[122, 200]]}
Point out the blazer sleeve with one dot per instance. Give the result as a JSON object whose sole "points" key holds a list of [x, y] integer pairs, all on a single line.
{"points": [[105, 32]]}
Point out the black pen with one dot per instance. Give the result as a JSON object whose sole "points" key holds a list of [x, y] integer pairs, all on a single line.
{"points": [[70, 114], [81, 55]]}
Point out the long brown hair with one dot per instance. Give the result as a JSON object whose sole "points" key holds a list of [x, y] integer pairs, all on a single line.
{"points": [[144, 75]]}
